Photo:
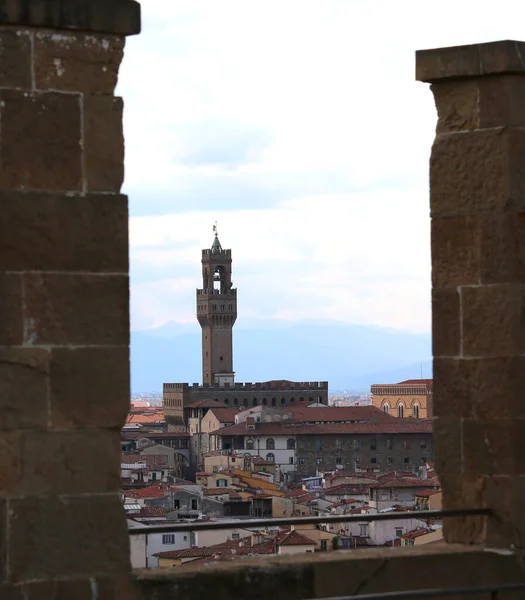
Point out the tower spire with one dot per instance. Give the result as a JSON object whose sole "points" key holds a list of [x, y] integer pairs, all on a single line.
{"points": [[216, 246]]}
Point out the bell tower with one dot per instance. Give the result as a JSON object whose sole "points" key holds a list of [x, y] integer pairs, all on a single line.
{"points": [[216, 313]]}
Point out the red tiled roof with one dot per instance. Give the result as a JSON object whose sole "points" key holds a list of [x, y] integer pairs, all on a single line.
{"points": [[406, 482], [415, 382], [294, 539], [410, 535], [134, 418], [154, 491], [203, 474], [347, 488], [225, 415], [337, 413], [427, 493], [292, 427]]}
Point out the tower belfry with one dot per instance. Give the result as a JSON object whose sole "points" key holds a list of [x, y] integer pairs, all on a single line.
{"points": [[216, 313]]}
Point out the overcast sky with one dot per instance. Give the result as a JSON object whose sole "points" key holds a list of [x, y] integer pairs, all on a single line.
{"points": [[298, 126]]}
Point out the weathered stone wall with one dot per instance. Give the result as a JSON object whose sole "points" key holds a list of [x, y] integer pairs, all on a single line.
{"points": [[64, 319], [477, 204], [387, 446]]}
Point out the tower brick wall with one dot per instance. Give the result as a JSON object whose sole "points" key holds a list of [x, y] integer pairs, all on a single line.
{"points": [[477, 204], [64, 316]]}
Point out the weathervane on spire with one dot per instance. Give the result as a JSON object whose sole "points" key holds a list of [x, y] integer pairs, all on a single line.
{"points": [[215, 229]]}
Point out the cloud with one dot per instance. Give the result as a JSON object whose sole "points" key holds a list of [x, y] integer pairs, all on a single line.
{"points": [[299, 126]]}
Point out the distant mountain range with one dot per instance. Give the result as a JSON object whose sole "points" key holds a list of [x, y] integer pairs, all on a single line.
{"points": [[349, 357]]}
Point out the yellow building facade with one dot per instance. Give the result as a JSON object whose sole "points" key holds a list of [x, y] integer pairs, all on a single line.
{"points": [[411, 398]]}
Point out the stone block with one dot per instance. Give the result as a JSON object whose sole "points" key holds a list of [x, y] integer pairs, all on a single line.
{"points": [[119, 16], [10, 461], [482, 389], [77, 309], [475, 60], [446, 327], [77, 61], [70, 537], [70, 462], [41, 142], [103, 143], [457, 104], [448, 445], [493, 320], [3, 541], [501, 100], [478, 171], [463, 491], [24, 384], [15, 58], [455, 251], [502, 254], [11, 319], [98, 380], [59, 590], [91, 232], [494, 447]]}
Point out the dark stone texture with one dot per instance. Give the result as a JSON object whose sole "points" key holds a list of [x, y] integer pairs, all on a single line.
{"points": [[105, 16], [52, 232], [11, 318], [41, 141], [77, 309], [476, 60], [89, 532], [24, 384], [97, 379], [15, 59]]}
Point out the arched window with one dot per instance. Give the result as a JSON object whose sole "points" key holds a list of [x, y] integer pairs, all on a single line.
{"points": [[310, 399], [401, 410], [245, 402], [226, 401], [270, 457], [236, 402], [386, 408], [274, 401], [264, 401], [255, 402], [249, 444], [283, 401], [415, 411], [270, 444], [292, 399], [301, 399], [290, 444]]}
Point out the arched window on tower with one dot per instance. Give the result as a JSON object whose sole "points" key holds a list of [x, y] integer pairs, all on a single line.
{"points": [[401, 410], [415, 411], [274, 401], [236, 402], [283, 401], [255, 402], [386, 408], [270, 444], [264, 401]]}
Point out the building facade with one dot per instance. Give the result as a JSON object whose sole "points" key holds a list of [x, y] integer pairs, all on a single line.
{"points": [[410, 398], [217, 313]]}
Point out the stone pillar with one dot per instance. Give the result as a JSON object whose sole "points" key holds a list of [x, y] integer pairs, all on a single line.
{"points": [[64, 316], [477, 204]]}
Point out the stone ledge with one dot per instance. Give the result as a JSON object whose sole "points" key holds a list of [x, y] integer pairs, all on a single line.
{"points": [[342, 573], [120, 17], [476, 60]]}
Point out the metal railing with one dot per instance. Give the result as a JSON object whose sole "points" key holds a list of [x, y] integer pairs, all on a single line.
{"points": [[421, 594], [276, 522]]}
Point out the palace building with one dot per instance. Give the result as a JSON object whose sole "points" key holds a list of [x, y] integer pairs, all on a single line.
{"points": [[410, 398], [217, 312]]}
